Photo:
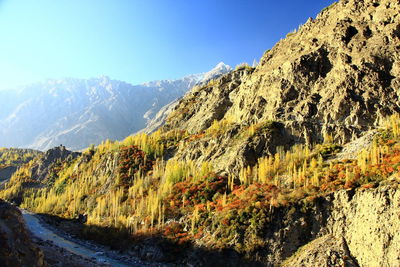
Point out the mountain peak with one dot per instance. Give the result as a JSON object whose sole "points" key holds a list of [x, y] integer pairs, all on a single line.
{"points": [[218, 70], [223, 66]]}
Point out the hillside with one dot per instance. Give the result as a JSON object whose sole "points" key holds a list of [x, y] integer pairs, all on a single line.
{"points": [[294, 162], [79, 112], [337, 75], [11, 159], [16, 156]]}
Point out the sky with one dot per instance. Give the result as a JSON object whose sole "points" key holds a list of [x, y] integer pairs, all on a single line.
{"points": [[138, 40]]}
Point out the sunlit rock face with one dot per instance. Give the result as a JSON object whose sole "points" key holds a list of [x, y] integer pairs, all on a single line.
{"points": [[338, 74]]}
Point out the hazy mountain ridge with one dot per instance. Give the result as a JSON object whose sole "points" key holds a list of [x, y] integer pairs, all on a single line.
{"points": [[79, 112]]}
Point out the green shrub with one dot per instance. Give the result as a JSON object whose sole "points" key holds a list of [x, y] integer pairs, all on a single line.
{"points": [[328, 150]]}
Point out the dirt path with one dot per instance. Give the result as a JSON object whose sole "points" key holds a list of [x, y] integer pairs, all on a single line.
{"points": [[70, 251]]}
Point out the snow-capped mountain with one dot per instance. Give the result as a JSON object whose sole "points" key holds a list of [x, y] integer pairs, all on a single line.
{"points": [[80, 112], [218, 70]]}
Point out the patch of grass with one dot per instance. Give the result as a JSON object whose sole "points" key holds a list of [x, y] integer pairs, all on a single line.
{"points": [[328, 150]]}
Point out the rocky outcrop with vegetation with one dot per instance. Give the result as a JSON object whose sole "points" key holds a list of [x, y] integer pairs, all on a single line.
{"points": [[11, 159], [338, 74], [50, 159], [356, 227], [40, 171]]}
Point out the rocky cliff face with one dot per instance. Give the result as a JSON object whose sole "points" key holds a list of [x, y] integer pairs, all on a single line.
{"points": [[344, 228], [351, 228], [227, 144], [368, 221], [42, 167], [16, 247], [338, 74], [359, 228], [207, 102]]}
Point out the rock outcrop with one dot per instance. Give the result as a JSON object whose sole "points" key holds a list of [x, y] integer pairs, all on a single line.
{"points": [[41, 170], [13, 158], [344, 228], [338, 74], [16, 247], [359, 227], [207, 102], [235, 148], [325, 251]]}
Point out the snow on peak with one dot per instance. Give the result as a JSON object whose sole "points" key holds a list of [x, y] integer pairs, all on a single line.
{"points": [[222, 65], [219, 69]]}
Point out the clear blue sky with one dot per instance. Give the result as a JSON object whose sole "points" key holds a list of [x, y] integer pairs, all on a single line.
{"points": [[138, 40]]}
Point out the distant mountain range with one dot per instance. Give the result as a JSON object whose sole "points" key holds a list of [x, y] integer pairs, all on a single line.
{"points": [[80, 112]]}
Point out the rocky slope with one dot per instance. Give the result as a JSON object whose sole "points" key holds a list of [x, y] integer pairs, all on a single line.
{"points": [[359, 228], [41, 169], [11, 159], [78, 112], [338, 74], [16, 247]]}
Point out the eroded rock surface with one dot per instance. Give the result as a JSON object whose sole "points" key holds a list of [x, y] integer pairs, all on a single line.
{"points": [[345, 228], [338, 74], [51, 157]]}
